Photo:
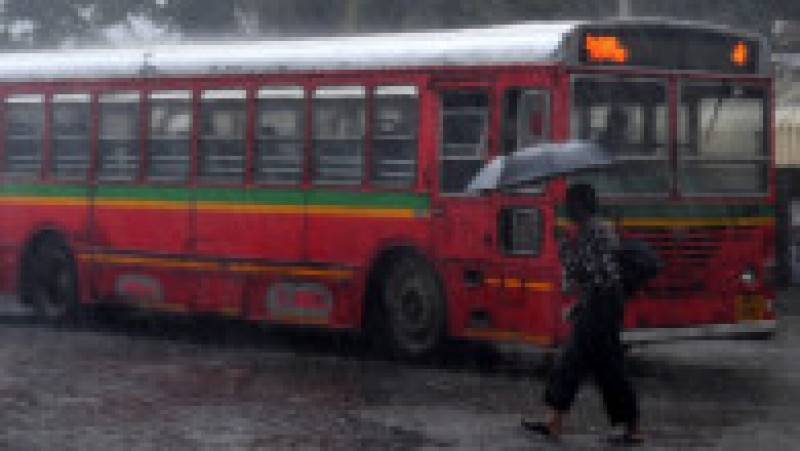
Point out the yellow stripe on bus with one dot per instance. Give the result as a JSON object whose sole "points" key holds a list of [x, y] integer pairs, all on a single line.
{"points": [[506, 335], [321, 210], [539, 286], [149, 204], [193, 264], [362, 212]]}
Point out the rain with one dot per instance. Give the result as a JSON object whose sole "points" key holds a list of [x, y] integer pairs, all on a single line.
{"points": [[315, 224]]}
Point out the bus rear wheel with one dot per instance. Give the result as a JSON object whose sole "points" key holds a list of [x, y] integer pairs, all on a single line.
{"points": [[49, 282], [414, 309]]}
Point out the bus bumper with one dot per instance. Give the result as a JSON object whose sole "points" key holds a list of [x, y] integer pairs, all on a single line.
{"points": [[750, 329]]}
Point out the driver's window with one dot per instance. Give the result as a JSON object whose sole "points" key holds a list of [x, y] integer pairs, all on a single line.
{"points": [[525, 118]]}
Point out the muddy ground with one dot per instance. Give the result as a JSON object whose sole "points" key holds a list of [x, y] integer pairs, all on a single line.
{"points": [[172, 383]]}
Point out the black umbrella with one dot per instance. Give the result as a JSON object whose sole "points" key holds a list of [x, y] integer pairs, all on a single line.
{"points": [[538, 163]]}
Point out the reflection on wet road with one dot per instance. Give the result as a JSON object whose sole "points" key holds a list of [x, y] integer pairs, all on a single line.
{"points": [[146, 383]]}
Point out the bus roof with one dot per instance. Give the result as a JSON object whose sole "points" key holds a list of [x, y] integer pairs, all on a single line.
{"points": [[519, 43]]}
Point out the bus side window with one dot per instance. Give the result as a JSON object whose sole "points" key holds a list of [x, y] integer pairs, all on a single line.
{"points": [[221, 148], [24, 135], [69, 149], [394, 136], [464, 137], [280, 129], [169, 152], [339, 125], [526, 118], [118, 151]]}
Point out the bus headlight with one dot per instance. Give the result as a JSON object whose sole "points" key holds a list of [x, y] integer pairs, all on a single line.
{"points": [[748, 276]]}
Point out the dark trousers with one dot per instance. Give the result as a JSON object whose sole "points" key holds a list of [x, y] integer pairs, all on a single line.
{"points": [[599, 354]]}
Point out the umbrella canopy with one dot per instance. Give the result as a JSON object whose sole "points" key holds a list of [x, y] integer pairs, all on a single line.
{"points": [[539, 163]]}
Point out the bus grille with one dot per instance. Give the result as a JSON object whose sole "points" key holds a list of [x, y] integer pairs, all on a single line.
{"points": [[688, 255]]}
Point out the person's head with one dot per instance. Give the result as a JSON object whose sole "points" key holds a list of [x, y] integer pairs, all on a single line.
{"points": [[616, 118], [616, 128], [581, 202]]}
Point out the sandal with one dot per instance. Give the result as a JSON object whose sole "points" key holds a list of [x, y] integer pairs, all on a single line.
{"points": [[540, 427], [626, 439]]}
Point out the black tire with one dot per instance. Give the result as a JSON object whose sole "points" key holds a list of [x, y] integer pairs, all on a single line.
{"points": [[413, 308], [49, 282]]}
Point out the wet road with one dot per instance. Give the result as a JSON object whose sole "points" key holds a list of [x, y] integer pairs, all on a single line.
{"points": [[150, 383]]}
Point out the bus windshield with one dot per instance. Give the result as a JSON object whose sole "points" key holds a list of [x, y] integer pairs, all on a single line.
{"points": [[722, 148], [629, 118], [721, 145]]}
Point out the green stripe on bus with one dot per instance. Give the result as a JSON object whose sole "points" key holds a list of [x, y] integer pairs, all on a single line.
{"points": [[12, 190], [370, 200], [165, 194]]}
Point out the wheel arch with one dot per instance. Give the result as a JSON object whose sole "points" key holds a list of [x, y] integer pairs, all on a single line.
{"points": [[35, 236], [378, 270]]}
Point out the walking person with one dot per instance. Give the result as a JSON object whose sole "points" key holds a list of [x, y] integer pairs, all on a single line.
{"points": [[594, 349]]}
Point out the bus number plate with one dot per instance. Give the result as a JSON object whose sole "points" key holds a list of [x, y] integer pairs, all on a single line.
{"points": [[749, 307]]}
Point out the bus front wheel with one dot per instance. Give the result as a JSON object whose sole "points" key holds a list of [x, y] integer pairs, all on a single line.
{"points": [[49, 282], [414, 309]]}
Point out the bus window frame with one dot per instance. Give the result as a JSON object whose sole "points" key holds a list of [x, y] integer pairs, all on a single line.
{"points": [[198, 134], [426, 158], [767, 137], [549, 95], [426, 170], [674, 78], [140, 131], [417, 138], [661, 78], [492, 89], [313, 181], [190, 181], [37, 176], [253, 137]]}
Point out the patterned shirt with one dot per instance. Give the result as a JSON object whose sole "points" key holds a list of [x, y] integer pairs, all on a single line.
{"points": [[590, 259]]}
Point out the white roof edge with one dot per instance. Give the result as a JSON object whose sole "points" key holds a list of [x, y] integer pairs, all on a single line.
{"points": [[523, 42], [516, 43]]}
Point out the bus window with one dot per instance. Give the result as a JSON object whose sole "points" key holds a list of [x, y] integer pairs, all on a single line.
{"points": [[221, 149], [280, 128], [722, 146], [339, 124], [169, 153], [629, 118], [118, 151], [24, 135], [69, 149], [464, 137], [526, 118], [394, 136], [520, 230]]}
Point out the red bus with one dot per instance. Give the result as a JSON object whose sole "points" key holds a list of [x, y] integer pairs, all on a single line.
{"points": [[321, 181]]}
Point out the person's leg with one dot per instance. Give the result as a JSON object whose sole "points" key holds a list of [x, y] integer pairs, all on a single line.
{"points": [[563, 383], [619, 398]]}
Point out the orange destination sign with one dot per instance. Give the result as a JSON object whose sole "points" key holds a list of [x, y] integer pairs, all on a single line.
{"points": [[606, 48], [739, 54]]}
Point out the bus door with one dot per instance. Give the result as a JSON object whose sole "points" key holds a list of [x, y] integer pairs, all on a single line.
{"points": [[463, 229], [483, 241], [525, 277]]}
